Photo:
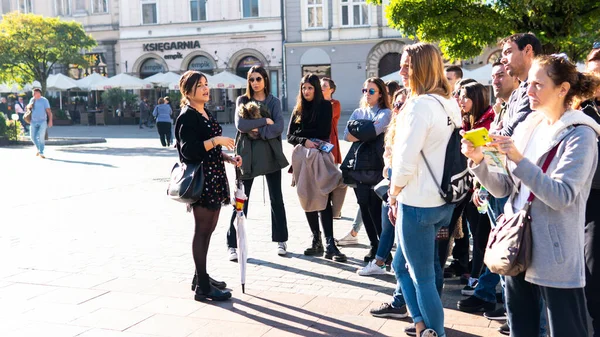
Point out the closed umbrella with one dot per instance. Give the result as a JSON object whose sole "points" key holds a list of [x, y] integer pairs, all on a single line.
{"points": [[240, 227]]}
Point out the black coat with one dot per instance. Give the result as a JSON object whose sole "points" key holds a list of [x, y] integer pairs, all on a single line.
{"points": [[364, 161]]}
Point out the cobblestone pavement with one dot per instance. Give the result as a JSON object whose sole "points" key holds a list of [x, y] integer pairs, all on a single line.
{"points": [[90, 246]]}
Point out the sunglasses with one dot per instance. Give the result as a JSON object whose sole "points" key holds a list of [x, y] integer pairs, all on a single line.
{"points": [[596, 45], [257, 79], [398, 105], [370, 91]]}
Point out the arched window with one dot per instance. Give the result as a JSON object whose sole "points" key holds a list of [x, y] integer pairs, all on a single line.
{"points": [[245, 64], [150, 67], [389, 63], [203, 64]]}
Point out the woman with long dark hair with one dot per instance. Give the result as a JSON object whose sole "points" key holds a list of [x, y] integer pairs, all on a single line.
{"points": [[199, 140], [477, 113], [363, 164], [311, 122], [262, 155]]}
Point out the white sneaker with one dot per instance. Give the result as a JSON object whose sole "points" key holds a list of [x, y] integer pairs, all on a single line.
{"points": [[348, 240], [281, 248], [371, 269], [233, 254]]}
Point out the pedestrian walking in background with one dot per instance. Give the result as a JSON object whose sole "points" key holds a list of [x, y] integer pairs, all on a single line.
{"points": [[20, 110], [311, 122], [4, 108], [328, 86], [262, 155], [423, 131], [41, 120], [556, 271], [199, 140], [144, 113], [363, 164], [162, 112]]}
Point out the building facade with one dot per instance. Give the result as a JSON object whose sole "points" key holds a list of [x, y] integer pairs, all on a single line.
{"points": [[347, 40]]}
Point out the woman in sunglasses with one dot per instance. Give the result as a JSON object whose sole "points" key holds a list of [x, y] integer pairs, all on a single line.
{"points": [[383, 258], [265, 156], [363, 164]]}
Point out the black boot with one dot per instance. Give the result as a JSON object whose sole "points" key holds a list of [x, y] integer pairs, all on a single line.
{"points": [[206, 291], [333, 252], [371, 255], [217, 284], [388, 262], [316, 247]]}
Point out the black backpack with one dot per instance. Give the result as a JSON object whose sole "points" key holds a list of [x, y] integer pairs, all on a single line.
{"points": [[456, 180]]}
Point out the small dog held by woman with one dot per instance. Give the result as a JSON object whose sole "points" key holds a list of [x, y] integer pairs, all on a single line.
{"points": [[251, 110]]}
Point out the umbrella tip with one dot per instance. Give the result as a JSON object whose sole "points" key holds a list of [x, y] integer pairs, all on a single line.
{"points": [[243, 288]]}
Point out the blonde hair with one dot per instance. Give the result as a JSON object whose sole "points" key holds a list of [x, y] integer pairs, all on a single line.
{"points": [[390, 132], [426, 72]]}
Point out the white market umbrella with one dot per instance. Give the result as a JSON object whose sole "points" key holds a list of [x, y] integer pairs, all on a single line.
{"points": [[164, 79], [60, 83], [395, 76], [227, 80], [123, 81], [87, 82], [8, 88], [482, 74], [174, 85]]}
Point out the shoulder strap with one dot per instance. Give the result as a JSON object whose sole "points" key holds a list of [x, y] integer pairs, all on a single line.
{"points": [[444, 108], [549, 158]]}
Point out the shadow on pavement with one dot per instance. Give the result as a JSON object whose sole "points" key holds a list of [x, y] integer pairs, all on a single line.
{"points": [[277, 317], [81, 162], [123, 151], [455, 333], [352, 268]]}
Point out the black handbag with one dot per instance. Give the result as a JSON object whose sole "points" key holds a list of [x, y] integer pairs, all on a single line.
{"points": [[186, 182]]}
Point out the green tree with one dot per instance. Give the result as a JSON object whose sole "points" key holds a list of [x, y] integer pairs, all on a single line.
{"points": [[464, 28], [31, 45]]}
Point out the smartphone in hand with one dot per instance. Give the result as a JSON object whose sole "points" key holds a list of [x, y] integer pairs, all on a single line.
{"points": [[479, 137]]}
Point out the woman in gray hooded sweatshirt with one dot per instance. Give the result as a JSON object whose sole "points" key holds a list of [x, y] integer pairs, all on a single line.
{"points": [[557, 268]]}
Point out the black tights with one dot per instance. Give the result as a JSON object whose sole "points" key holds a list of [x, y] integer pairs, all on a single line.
{"points": [[206, 221], [326, 220]]}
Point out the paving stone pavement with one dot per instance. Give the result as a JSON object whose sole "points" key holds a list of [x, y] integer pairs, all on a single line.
{"points": [[91, 247]]}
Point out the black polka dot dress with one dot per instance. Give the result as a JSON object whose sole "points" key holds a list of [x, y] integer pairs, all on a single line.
{"points": [[216, 188]]}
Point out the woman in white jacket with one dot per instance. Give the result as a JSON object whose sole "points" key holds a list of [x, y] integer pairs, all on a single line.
{"points": [[424, 126]]}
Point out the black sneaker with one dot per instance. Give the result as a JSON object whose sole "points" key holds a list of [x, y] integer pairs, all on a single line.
{"points": [[496, 315], [504, 329], [386, 310], [474, 304], [411, 330]]}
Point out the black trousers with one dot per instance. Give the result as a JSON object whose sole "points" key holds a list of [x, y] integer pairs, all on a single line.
{"points": [[460, 252], [566, 309], [164, 131], [370, 209], [279, 230], [592, 259], [479, 224], [326, 220]]}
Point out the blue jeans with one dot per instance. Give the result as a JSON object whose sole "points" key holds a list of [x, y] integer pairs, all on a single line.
{"points": [[386, 239], [358, 221], [415, 262], [38, 132]]}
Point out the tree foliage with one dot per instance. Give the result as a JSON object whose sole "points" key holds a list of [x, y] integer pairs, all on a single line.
{"points": [[31, 45], [464, 28]]}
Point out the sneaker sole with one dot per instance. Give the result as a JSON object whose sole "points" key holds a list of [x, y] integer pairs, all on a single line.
{"points": [[281, 254], [369, 274], [496, 318], [467, 292], [390, 315], [347, 243]]}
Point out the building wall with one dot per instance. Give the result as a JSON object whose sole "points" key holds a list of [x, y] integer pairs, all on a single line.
{"points": [[353, 52]]}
